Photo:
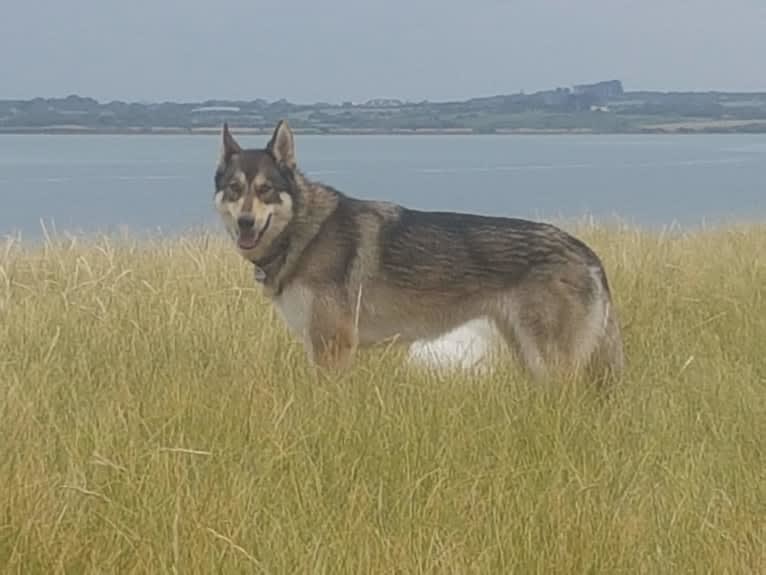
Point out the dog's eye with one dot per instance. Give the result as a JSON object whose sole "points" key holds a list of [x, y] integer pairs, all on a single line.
{"points": [[267, 193], [235, 189]]}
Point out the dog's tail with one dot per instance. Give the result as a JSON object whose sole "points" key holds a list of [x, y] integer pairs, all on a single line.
{"points": [[608, 359]]}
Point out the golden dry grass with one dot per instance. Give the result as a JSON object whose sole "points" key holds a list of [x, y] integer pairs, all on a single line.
{"points": [[156, 417]]}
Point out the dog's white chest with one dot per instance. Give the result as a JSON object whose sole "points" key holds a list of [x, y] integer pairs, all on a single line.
{"points": [[294, 305]]}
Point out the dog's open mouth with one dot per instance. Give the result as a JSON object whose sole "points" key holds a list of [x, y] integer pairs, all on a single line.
{"points": [[248, 239]]}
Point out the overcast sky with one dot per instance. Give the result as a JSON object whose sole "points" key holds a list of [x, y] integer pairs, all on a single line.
{"points": [[334, 50]]}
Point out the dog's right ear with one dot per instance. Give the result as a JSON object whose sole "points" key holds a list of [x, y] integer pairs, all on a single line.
{"points": [[282, 145], [230, 145]]}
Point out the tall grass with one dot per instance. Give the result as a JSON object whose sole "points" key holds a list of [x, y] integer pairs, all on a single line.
{"points": [[156, 417]]}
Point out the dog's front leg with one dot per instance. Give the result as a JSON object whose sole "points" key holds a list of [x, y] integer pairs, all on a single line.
{"points": [[332, 336]]}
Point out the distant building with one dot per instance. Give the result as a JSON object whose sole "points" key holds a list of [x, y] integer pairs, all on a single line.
{"points": [[383, 103], [215, 109], [602, 91], [555, 98]]}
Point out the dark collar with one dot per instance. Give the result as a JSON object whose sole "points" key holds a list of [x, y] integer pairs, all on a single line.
{"points": [[267, 268]]}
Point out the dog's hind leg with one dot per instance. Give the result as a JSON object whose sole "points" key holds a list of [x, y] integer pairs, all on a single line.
{"points": [[526, 346], [545, 327]]}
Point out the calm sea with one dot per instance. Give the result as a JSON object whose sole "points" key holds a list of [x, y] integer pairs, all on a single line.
{"points": [[164, 183]]}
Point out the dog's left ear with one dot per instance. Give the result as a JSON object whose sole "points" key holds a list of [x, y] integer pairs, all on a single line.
{"points": [[282, 146]]}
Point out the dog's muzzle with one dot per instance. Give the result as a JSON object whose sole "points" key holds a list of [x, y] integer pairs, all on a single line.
{"points": [[248, 235]]}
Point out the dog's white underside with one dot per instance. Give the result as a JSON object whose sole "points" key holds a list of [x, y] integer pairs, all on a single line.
{"points": [[467, 347]]}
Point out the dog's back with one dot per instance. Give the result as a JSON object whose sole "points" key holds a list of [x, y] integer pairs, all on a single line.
{"points": [[545, 290]]}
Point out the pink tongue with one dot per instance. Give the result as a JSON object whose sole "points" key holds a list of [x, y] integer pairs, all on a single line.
{"points": [[247, 241]]}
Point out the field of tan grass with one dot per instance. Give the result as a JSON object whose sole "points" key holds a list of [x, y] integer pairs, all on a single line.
{"points": [[155, 417]]}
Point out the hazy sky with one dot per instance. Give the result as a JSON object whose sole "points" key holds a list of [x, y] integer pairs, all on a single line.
{"points": [[334, 50]]}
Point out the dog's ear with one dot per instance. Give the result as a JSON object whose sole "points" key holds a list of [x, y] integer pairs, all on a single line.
{"points": [[282, 146], [230, 145]]}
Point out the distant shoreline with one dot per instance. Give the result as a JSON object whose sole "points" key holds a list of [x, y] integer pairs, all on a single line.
{"points": [[680, 128], [599, 108]]}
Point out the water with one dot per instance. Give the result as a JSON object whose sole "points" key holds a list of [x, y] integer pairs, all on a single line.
{"points": [[164, 183]]}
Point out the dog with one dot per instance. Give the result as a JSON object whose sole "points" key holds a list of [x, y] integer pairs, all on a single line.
{"points": [[347, 273]]}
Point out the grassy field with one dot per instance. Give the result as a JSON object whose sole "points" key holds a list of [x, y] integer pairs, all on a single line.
{"points": [[155, 417]]}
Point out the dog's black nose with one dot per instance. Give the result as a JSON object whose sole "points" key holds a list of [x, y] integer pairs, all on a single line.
{"points": [[246, 222]]}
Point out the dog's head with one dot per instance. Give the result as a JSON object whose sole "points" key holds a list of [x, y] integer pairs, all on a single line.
{"points": [[255, 190]]}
